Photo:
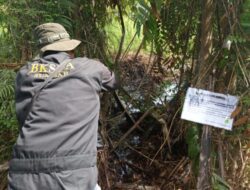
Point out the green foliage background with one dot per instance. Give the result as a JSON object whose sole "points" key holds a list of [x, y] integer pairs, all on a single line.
{"points": [[164, 28]]}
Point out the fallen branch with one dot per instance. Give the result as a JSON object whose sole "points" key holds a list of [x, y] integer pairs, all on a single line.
{"points": [[132, 128], [181, 163], [127, 114], [10, 66], [4, 167]]}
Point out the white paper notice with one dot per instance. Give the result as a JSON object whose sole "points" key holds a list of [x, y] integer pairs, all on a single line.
{"points": [[209, 108]]}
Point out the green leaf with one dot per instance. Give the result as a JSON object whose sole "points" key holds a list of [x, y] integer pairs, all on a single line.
{"points": [[219, 183], [192, 139]]}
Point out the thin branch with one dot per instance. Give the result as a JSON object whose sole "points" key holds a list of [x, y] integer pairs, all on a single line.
{"points": [[123, 33], [132, 128], [4, 167], [166, 139], [129, 46]]}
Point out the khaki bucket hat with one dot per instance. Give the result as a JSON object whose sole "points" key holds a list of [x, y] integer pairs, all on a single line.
{"points": [[54, 37]]}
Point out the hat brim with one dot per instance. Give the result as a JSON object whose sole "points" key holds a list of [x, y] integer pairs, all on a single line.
{"points": [[65, 45]]}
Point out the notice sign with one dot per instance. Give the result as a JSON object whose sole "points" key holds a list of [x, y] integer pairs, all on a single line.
{"points": [[209, 108]]}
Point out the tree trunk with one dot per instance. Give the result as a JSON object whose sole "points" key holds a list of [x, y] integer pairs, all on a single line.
{"points": [[206, 82]]}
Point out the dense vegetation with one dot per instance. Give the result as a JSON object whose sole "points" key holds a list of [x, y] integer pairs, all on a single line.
{"points": [[154, 45]]}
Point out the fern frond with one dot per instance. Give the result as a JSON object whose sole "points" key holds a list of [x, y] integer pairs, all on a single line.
{"points": [[6, 92]]}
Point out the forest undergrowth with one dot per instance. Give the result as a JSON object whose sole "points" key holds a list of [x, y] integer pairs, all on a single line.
{"points": [[159, 49], [149, 146]]}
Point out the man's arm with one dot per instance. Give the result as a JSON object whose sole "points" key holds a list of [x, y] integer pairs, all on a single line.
{"points": [[109, 79]]}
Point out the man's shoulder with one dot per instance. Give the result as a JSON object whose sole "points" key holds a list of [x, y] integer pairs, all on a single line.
{"points": [[89, 62], [86, 59]]}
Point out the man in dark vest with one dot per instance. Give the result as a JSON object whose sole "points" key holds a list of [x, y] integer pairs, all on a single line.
{"points": [[57, 106]]}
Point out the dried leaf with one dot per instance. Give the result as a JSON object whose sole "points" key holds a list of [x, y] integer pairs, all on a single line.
{"points": [[247, 132], [236, 112], [241, 121]]}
